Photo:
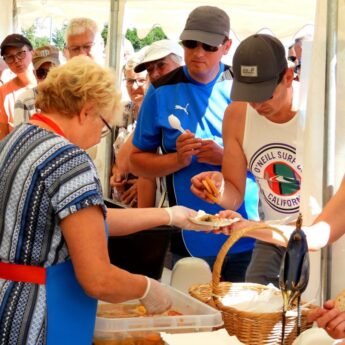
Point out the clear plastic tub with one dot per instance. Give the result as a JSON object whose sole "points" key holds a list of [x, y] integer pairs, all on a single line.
{"points": [[196, 317]]}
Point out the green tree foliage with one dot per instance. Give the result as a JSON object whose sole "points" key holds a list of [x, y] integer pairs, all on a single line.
{"points": [[58, 37], [155, 34], [104, 33], [36, 41]]}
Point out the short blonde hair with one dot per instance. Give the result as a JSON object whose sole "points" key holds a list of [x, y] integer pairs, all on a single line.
{"points": [[69, 87]]}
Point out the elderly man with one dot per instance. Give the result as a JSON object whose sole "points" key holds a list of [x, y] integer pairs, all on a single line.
{"points": [[197, 94], [260, 134], [83, 37], [160, 58], [16, 51]]}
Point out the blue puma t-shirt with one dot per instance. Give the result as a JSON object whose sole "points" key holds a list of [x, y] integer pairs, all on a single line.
{"points": [[200, 108]]}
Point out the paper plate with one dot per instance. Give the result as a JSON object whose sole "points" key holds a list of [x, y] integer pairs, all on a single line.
{"points": [[216, 223]]}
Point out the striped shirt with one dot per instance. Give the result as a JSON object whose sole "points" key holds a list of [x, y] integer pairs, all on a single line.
{"points": [[43, 179], [25, 107]]}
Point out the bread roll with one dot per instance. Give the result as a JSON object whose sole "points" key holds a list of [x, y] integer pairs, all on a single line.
{"points": [[340, 301]]}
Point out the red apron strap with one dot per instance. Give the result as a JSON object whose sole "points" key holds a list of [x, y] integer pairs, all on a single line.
{"points": [[22, 273]]}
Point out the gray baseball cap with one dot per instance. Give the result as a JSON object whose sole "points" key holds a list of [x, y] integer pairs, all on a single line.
{"points": [[207, 24], [258, 62]]}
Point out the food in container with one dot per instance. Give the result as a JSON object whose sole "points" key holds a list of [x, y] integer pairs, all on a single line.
{"points": [[145, 330]]}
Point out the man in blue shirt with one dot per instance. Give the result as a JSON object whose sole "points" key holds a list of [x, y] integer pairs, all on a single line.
{"points": [[197, 94]]}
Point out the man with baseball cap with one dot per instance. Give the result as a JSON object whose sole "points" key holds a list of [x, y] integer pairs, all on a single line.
{"points": [[16, 50], [260, 134], [43, 59], [160, 58], [197, 95]]}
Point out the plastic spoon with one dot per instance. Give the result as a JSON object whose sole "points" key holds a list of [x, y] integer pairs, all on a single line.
{"points": [[175, 123]]}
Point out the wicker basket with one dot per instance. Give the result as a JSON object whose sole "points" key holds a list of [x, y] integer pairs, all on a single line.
{"points": [[249, 327]]}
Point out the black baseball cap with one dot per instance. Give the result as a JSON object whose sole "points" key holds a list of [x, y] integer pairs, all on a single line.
{"points": [[258, 62], [14, 40]]}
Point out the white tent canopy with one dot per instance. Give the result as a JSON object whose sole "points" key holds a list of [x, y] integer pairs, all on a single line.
{"points": [[285, 19]]}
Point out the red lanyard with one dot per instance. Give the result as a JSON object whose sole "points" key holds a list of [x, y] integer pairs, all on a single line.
{"points": [[55, 128]]}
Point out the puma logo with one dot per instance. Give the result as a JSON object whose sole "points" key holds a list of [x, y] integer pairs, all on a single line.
{"points": [[179, 107]]}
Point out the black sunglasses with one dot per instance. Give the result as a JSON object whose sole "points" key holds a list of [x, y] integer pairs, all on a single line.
{"points": [[193, 44], [41, 73], [292, 58]]}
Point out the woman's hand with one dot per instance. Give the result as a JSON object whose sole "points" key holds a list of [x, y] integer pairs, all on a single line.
{"points": [[179, 217], [330, 319], [156, 298]]}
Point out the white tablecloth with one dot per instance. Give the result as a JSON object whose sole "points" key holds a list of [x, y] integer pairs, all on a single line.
{"points": [[220, 337]]}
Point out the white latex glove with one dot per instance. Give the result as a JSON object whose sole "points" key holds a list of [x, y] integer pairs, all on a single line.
{"points": [[179, 217], [156, 298]]}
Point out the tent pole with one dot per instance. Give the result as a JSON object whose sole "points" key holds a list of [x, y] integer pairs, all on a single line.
{"points": [[14, 16], [329, 135], [112, 59], [113, 32]]}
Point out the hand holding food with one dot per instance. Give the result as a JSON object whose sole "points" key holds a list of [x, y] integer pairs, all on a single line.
{"points": [[186, 147], [211, 191], [208, 186], [156, 298]]}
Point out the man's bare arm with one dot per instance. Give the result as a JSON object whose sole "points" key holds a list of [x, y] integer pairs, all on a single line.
{"points": [[234, 166]]}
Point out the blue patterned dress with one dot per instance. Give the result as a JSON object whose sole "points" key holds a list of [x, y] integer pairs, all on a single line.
{"points": [[43, 179]]}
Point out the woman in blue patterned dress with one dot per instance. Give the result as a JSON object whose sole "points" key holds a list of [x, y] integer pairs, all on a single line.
{"points": [[54, 262]]}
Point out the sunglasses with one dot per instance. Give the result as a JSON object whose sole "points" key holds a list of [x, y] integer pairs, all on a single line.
{"points": [[41, 73], [292, 58], [193, 44]]}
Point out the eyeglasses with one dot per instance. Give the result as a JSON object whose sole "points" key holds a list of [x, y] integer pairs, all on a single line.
{"points": [[106, 123], [9, 59], [139, 82], [75, 50], [193, 44], [41, 73]]}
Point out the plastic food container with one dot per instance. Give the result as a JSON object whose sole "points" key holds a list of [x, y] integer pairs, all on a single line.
{"points": [[196, 317]]}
